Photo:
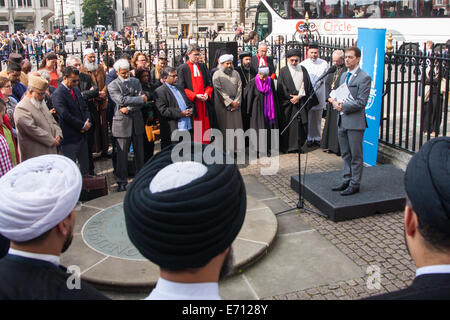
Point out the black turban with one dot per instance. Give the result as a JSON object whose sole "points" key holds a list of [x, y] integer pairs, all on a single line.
{"points": [[187, 226], [427, 183], [293, 52], [245, 54]]}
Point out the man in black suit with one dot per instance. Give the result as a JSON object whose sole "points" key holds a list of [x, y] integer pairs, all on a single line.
{"points": [[89, 91], [262, 60], [74, 118], [427, 222], [174, 107]]}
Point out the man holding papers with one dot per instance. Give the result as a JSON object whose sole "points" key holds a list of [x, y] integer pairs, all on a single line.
{"points": [[350, 101]]}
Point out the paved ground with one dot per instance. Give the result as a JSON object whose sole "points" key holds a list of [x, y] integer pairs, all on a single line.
{"points": [[312, 257]]}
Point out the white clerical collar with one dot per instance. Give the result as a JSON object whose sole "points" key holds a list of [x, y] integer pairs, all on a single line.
{"points": [[169, 290], [196, 71], [46, 257], [262, 62], [439, 268]]}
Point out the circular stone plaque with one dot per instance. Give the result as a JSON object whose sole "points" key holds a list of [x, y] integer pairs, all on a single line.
{"points": [[106, 233]]}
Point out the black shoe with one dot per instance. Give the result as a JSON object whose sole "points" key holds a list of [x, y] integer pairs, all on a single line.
{"points": [[106, 155], [341, 187], [309, 144], [349, 191], [122, 187], [316, 143]]}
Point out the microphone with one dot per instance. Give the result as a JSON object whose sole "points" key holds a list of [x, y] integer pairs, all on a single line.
{"points": [[331, 70]]}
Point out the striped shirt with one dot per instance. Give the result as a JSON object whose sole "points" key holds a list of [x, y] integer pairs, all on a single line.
{"points": [[5, 157]]}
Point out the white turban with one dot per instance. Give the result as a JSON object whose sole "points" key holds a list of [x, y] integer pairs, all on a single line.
{"points": [[36, 195], [88, 51], [225, 57]]}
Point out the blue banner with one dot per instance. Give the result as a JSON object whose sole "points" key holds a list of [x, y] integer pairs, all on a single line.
{"points": [[371, 42]]}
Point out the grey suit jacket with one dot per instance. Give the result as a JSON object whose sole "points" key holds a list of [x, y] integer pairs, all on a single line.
{"points": [[354, 117], [127, 94]]}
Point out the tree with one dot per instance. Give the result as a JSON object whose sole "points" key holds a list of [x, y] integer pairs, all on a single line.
{"points": [[105, 13], [242, 11]]}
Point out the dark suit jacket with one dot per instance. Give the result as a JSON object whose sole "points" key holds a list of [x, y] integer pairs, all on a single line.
{"points": [[255, 65], [425, 287], [169, 112], [33, 279], [110, 77], [72, 115], [84, 85]]}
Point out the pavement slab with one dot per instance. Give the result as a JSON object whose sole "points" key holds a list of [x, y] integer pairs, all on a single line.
{"points": [[299, 261]]}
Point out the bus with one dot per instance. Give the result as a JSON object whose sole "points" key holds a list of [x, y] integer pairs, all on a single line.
{"points": [[409, 21]]}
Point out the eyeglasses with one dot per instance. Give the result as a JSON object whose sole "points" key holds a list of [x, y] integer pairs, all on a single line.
{"points": [[10, 86], [173, 75], [40, 93], [293, 60]]}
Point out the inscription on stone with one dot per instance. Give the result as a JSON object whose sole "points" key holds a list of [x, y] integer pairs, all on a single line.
{"points": [[106, 232]]}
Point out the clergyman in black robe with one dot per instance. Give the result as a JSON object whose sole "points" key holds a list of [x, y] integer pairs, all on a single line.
{"points": [[247, 73], [294, 87], [263, 114], [330, 141]]}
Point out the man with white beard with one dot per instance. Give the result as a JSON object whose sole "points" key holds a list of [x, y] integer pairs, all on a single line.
{"points": [[227, 97], [37, 131], [98, 75], [294, 87], [316, 67]]}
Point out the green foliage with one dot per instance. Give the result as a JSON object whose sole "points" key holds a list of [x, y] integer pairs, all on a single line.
{"points": [[105, 13]]}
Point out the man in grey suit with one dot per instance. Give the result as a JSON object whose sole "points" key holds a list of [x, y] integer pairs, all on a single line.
{"points": [[352, 121], [127, 124]]}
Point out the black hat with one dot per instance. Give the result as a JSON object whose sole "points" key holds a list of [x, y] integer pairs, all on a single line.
{"points": [[427, 183], [181, 213], [293, 52], [245, 54], [313, 45]]}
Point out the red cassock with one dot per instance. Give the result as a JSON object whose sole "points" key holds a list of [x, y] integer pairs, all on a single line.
{"points": [[202, 115]]}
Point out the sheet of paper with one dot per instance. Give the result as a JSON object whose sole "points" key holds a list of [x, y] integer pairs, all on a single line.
{"points": [[341, 93]]}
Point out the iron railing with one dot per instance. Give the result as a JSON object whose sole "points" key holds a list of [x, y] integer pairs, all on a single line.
{"points": [[407, 115]]}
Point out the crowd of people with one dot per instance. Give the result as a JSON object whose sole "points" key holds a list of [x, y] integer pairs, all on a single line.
{"points": [[82, 108]]}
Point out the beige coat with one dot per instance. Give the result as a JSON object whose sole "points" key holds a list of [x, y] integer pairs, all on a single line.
{"points": [[36, 130]]}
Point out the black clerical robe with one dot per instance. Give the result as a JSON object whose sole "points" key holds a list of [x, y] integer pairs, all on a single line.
{"points": [[286, 87], [246, 76], [255, 111], [32, 279]]}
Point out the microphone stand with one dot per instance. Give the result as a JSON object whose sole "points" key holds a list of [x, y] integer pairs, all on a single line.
{"points": [[300, 204]]}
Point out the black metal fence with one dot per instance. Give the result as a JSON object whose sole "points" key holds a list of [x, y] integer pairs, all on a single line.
{"points": [[416, 85]]}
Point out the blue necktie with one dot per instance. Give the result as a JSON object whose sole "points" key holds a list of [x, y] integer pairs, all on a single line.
{"points": [[348, 77]]}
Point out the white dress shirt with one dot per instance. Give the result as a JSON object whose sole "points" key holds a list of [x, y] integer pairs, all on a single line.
{"points": [[315, 70], [169, 290], [439, 268]]}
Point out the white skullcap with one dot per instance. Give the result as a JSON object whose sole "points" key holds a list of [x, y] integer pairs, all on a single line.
{"points": [[176, 175], [88, 51], [225, 57], [36, 195], [263, 70]]}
